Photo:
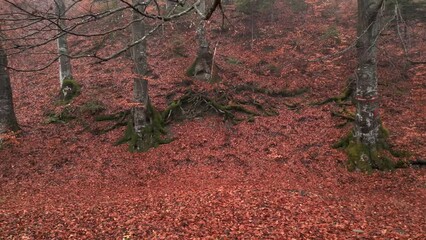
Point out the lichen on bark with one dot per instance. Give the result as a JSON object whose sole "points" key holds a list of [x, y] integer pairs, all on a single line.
{"points": [[70, 89]]}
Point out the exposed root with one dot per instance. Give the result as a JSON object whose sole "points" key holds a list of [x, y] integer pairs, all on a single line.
{"points": [[344, 114], [346, 95], [65, 115], [195, 104], [342, 98], [120, 119]]}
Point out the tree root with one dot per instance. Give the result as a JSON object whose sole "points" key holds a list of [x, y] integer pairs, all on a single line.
{"points": [[120, 118], [338, 99], [344, 114], [194, 104]]}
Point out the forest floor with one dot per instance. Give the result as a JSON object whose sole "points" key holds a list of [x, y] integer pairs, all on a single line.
{"points": [[273, 177]]}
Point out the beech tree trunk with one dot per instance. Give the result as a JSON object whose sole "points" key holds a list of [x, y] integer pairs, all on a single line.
{"points": [[7, 114], [203, 44], [367, 120], [202, 67], [140, 85], [64, 61], [367, 117]]}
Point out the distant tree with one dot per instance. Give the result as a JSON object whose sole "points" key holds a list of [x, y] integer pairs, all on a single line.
{"points": [[65, 70], [202, 66], [141, 117], [255, 9], [7, 114], [67, 83]]}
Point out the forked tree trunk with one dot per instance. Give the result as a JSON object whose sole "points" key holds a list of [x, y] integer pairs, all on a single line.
{"points": [[65, 71], [140, 85], [364, 151], [7, 114]]}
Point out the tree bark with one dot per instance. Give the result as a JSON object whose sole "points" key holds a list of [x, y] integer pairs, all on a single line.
{"points": [[366, 96], [367, 120], [203, 44], [65, 71], [140, 85], [7, 114], [202, 66]]}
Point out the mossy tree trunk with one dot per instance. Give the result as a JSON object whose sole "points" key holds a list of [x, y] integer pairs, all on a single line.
{"points": [[140, 113], [65, 69], [7, 114], [364, 149], [202, 66]]}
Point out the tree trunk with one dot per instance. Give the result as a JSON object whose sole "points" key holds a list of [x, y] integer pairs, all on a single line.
{"points": [[140, 85], [64, 61], [7, 114], [203, 44], [202, 67], [363, 152]]}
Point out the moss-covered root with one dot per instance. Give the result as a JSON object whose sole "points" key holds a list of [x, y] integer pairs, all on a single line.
{"points": [[346, 95], [151, 135], [70, 89]]}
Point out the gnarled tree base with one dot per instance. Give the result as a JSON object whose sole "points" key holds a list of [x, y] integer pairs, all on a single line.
{"points": [[151, 135], [366, 158], [203, 68]]}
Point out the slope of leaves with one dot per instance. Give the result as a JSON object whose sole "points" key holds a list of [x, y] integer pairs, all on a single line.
{"points": [[274, 178]]}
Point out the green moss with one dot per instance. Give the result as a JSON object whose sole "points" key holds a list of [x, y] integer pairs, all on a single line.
{"points": [[151, 136], [70, 89], [344, 141], [383, 132], [92, 107], [190, 72], [368, 158], [400, 153], [358, 157], [66, 115]]}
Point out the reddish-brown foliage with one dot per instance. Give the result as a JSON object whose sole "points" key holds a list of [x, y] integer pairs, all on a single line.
{"points": [[274, 178]]}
